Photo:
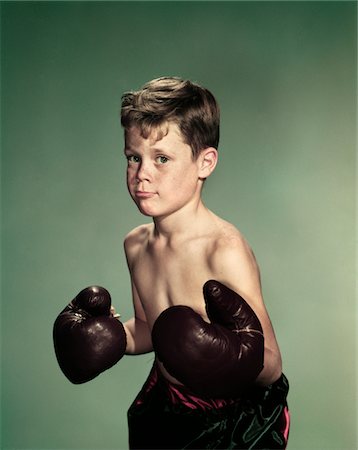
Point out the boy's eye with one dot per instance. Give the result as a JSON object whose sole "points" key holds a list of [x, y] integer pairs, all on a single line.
{"points": [[162, 159], [133, 159]]}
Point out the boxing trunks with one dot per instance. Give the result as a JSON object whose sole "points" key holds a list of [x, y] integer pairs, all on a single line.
{"points": [[169, 416]]}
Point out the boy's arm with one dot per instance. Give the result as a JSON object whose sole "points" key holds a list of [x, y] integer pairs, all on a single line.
{"points": [[139, 338], [137, 330], [238, 269], [224, 357]]}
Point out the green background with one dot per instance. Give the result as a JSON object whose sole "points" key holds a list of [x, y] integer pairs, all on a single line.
{"points": [[285, 76]]}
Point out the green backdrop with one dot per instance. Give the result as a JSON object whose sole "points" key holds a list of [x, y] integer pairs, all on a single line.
{"points": [[285, 76]]}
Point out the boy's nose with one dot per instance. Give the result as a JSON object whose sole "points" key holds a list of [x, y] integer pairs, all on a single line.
{"points": [[143, 172]]}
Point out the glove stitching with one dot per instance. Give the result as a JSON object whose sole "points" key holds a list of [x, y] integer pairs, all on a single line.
{"points": [[248, 330]]}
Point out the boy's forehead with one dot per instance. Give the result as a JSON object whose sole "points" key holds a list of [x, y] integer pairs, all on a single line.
{"points": [[166, 132]]}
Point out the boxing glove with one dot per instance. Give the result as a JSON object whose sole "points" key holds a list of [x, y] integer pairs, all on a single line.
{"points": [[218, 359], [87, 339]]}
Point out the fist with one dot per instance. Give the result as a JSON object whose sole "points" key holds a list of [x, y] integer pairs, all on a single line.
{"points": [[87, 338]]}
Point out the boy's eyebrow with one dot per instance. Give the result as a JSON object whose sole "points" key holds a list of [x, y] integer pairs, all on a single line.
{"points": [[128, 149], [151, 149]]}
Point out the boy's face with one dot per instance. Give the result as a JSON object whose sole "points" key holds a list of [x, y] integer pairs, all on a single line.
{"points": [[162, 176]]}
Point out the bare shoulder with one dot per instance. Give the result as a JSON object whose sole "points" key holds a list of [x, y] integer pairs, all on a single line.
{"points": [[230, 243], [136, 240], [233, 261], [138, 234]]}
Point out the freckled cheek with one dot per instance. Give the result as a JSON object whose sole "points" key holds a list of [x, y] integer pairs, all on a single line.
{"points": [[172, 182], [183, 179], [131, 175]]}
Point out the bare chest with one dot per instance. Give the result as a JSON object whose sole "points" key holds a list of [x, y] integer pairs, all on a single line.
{"points": [[167, 278]]}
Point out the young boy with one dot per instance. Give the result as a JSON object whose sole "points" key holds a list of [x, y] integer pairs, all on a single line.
{"points": [[171, 131], [216, 381]]}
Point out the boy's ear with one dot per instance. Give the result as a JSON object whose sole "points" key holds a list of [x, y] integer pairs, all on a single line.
{"points": [[207, 160]]}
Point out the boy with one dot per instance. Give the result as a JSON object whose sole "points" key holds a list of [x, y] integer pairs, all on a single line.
{"points": [[171, 131], [216, 381]]}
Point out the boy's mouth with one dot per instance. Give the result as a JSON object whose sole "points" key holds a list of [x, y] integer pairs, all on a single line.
{"points": [[144, 194]]}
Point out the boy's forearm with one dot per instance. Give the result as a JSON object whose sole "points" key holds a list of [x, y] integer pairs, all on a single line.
{"points": [[272, 368], [138, 337]]}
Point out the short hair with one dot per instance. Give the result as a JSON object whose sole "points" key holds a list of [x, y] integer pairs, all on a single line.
{"points": [[172, 99]]}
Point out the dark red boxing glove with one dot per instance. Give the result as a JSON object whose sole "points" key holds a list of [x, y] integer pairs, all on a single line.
{"points": [[88, 340], [218, 359]]}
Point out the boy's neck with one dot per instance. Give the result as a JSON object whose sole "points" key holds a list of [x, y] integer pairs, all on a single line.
{"points": [[186, 221]]}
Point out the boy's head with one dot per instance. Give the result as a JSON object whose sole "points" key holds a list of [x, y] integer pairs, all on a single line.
{"points": [[174, 100]]}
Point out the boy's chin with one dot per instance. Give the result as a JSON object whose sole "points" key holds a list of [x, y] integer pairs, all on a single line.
{"points": [[145, 211]]}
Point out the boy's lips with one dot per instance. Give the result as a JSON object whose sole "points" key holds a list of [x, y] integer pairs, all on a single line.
{"points": [[144, 194]]}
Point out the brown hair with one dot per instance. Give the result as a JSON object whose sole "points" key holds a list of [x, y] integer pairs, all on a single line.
{"points": [[172, 99]]}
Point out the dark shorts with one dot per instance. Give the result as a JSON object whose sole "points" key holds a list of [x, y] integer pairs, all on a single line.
{"points": [[167, 416]]}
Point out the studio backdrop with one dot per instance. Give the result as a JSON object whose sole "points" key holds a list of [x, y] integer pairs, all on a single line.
{"points": [[284, 74]]}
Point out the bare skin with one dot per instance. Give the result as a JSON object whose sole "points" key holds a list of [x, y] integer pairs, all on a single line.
{"points": [[170, 259]]}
